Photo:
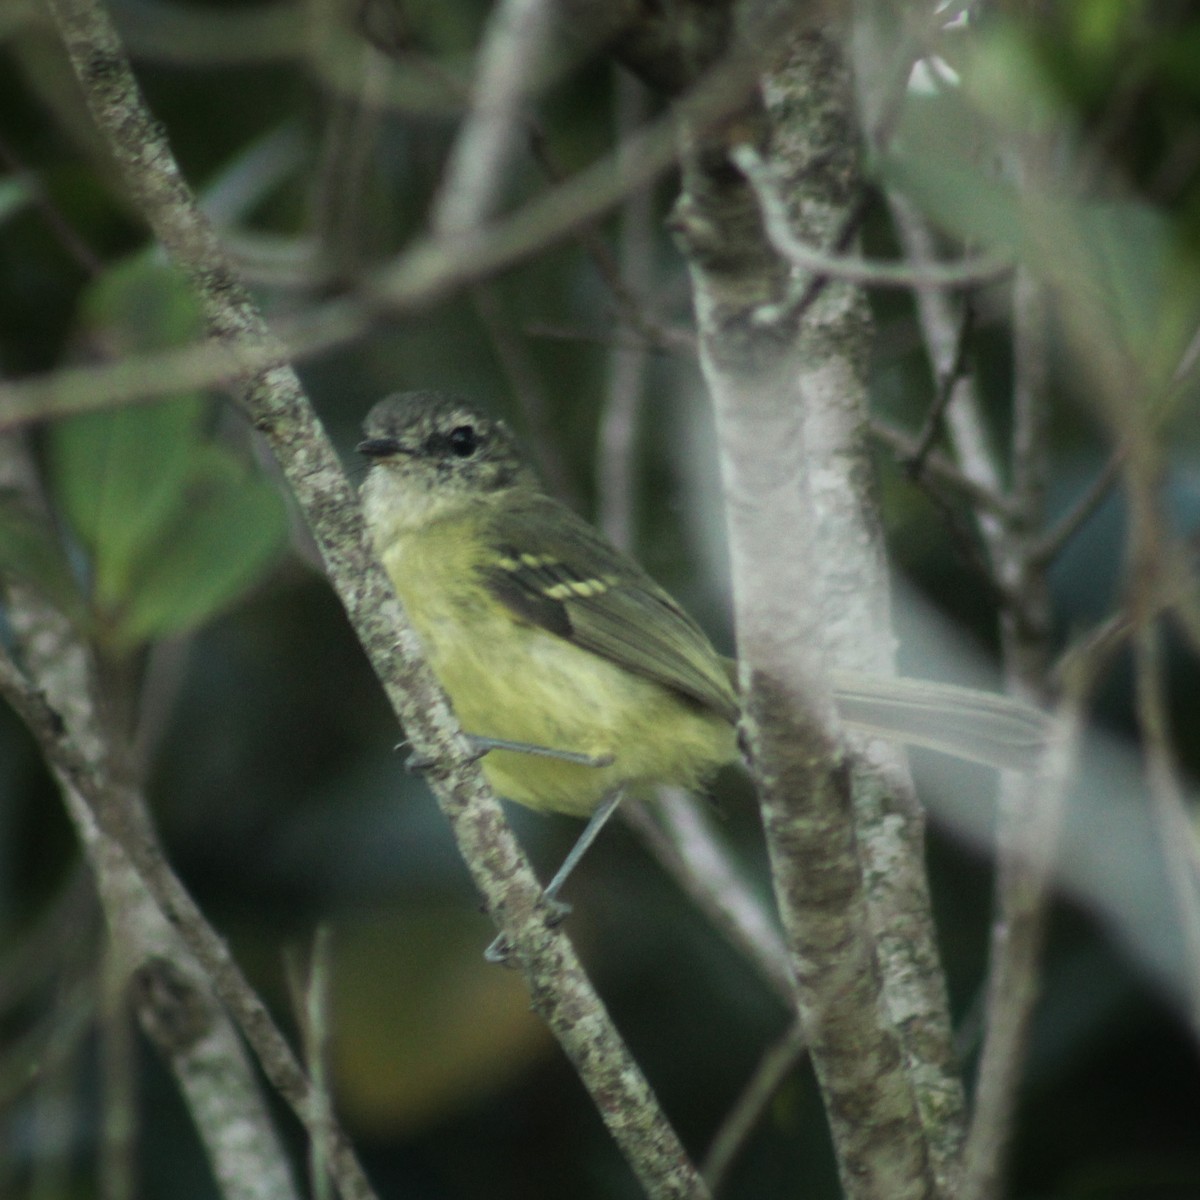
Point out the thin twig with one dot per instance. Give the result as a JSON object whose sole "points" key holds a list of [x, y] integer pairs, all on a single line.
{"points": [[1027, 860], [143, 378], [43, 1051], [432, 267], [525, 384], [687, 849], [1023, 871], [631, 307], [945, 393], [1051, 543], [969, 273], [1019, 595], [426, 271], [632, 311], [115, 1168], [616, 451], [667, 339], [309, 986], [59, 224], [743, 1118], [183, 1017], [938, 468], [1176, 834], [513, 42], [339, 182], [965, 538], [1182, 602], [806, 288], [939, 329], [1187, 360], [62, 929], [118, 823], [1027, 654], [54, 1107]]}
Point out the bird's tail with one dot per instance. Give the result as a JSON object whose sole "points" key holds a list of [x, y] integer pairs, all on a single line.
{"points": [[978, 726]]}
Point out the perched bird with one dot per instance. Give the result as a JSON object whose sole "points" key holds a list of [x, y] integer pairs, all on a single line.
{"points": [[572, 670]]}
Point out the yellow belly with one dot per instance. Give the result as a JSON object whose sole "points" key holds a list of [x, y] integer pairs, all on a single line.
{"points": [[513, 680]]}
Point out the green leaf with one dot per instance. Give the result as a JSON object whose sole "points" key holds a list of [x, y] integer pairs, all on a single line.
{"points": [[140, 303], [14, 195], [120, 478], [960, 199], [1116, 265], [943, 159], [229, 531], [1128, 289], [174, 527], [31, 552]]}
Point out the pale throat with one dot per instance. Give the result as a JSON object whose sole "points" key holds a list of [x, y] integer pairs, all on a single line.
{"points": [[396, 504]]}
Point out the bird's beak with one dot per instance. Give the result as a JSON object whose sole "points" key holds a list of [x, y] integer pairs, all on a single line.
{"points": [[380, 447]]}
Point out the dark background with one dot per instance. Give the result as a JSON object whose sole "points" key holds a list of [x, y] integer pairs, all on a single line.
{"points": [[272, 767]]}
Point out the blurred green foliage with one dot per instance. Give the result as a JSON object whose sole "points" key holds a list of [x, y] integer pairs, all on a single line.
{"points": [[170, 526], [269, 752]]}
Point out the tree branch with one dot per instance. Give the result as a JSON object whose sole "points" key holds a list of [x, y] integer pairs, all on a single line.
{"points": [[170, 991], [785, 388], [1027, 859], [427, 270], [272, 399], [515, 39], [812, 260], [687, 849]]}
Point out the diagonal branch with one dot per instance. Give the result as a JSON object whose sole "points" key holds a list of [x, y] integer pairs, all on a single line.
{"points": [[272, 398], [515, 38], [123, 836], [427, 270], [59, 698]]}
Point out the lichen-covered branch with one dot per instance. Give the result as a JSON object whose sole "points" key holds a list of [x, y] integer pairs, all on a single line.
{"points": [[56, 694], [176, 992], [180, 1013], [809, 589], [272, 399]]}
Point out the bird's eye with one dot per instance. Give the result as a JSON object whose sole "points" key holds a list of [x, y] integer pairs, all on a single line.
{"points": [[464, 441]]}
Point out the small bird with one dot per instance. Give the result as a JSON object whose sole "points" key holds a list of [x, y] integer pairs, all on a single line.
{"points": [[573, 671]]}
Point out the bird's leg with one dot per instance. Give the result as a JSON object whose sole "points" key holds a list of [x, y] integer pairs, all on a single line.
{"points": [[591, 830], [485, 745], [499, 950]]}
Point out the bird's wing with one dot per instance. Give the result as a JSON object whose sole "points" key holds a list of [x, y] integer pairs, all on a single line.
{"points": [[552, 569]]}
